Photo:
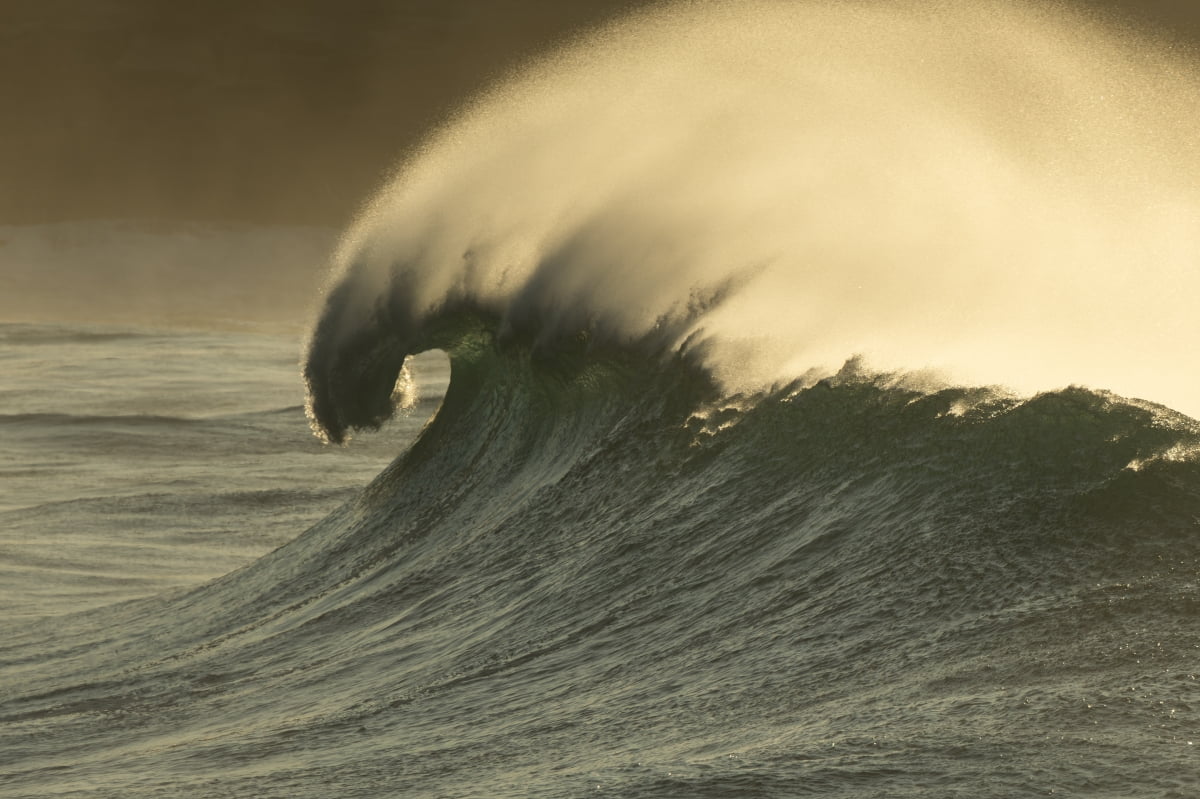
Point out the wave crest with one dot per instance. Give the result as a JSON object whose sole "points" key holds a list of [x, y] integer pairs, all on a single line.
{"points": [[999, 191]]}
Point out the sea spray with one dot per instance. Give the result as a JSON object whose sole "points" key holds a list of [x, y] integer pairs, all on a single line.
{"points": [[1005, 192]]}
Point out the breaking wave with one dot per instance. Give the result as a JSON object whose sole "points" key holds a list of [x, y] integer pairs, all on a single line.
{"points": [[994, 192], [692, 519]]}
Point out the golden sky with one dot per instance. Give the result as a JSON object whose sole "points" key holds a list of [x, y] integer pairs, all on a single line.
{"points": [[270, 110]]}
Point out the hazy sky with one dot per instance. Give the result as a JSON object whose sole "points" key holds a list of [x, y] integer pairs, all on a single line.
{"points": [[262, 110], [268, 110]]}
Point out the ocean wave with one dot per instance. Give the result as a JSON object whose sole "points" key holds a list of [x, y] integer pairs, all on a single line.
{"points": [[784, 186], [650, 544], [623, 576]]}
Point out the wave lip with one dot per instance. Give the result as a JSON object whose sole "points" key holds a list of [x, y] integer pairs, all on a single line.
{"points": [[355, 372]]}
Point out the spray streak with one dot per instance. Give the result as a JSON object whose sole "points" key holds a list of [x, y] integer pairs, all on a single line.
{"points": [[997, 191]]}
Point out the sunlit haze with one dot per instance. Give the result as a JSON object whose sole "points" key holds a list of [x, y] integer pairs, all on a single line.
{"points": [[1001, 193]]}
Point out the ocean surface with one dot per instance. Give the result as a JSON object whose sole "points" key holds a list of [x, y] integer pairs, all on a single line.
{"points": [[590, 575], [796, 402], [132, 458]]}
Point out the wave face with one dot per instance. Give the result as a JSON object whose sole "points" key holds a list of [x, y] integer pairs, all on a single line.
{"points": [[648, 546], [596, 574], [995, 191]]}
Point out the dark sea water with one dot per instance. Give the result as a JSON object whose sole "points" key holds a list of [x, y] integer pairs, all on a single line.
{"points": [[591, 575]]}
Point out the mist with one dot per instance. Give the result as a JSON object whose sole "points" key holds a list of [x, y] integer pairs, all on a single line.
{"points": [[287, 115], [997, 193], [179, 165]]}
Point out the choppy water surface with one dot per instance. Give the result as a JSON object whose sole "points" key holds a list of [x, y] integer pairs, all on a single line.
{"points": [[593, 576], [138, 460]]}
